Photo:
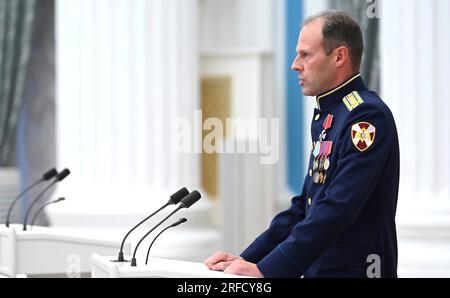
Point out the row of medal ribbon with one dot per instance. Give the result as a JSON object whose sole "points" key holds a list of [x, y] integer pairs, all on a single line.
{"points": [[321, 163]]}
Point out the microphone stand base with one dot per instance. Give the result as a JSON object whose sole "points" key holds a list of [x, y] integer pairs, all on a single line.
{"points": [[119, 261], [120, 258]]}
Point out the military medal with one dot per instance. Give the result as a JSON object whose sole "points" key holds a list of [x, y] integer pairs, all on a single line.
{"points": [[316, 153], [316, 177], [322, 136], [326, 164], [316, 149], [329, 146], [320, 162], [324, 155], [322, 147], [326, 125], [321, 150], [328, 121]]}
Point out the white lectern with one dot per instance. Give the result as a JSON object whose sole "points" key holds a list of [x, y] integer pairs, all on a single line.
{"points": [[102, 267], [50, 251]]}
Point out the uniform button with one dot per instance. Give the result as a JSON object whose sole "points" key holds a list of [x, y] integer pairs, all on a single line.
{"points": [[310, 173], [317, 117], [309, 201]]}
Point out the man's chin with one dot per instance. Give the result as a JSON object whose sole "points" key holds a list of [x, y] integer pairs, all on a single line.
{"points": [[307, 92]]}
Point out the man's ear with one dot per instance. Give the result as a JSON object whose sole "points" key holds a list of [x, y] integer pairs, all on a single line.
{"points": [[341, 56]]}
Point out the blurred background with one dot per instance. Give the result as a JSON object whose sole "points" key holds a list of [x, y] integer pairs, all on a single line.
{"points": [[97, 85]]}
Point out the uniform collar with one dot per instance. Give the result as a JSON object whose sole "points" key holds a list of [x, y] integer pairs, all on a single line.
{"points": [[331, 98]]}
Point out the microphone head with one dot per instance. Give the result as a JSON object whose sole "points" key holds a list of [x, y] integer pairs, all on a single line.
{"points": [[50, 174], [190, 199], [59, 200], [179, 222], [176, 197], [63, 174]]}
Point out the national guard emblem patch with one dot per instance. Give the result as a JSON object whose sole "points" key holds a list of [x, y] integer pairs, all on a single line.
{"points": [[363, 135]]}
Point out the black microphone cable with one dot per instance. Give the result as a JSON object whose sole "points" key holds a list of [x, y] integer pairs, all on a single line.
{"points": [[63, 174], [42, 208], [47, 176], [186, 202], [179, 222], [174, 199]]}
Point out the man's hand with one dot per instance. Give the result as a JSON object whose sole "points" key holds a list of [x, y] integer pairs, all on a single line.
{"points": [[219, 261], [242, 267]]}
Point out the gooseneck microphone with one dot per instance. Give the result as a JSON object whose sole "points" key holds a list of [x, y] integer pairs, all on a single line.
{"points": [[174, 199], [47, 176], [59, 177], [42, 208], [186, 202], [179, 222]]}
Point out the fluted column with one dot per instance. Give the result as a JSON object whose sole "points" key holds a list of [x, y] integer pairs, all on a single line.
{"points": [[415, 83]]}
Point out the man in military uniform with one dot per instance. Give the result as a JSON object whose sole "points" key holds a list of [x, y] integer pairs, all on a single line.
{"points": [[343, 222]]}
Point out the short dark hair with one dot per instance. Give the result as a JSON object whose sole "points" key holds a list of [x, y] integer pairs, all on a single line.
{"points": [[340, 29]]}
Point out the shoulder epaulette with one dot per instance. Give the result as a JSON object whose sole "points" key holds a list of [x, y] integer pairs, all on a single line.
{"points": [[352, 100]]}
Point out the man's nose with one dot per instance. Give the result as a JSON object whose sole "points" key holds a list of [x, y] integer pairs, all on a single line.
{"points": [[297, 66]]}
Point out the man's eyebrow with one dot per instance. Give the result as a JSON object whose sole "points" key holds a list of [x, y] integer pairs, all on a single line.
{"points": [[303, 51]]}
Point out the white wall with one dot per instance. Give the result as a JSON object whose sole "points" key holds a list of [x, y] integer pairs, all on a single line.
{"points": [[237, 24], [125, 71]]}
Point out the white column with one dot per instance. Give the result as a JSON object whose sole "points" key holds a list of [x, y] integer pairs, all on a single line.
{"points": [[125, 71], [415, 84], [415, 79], [442, 85]]}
